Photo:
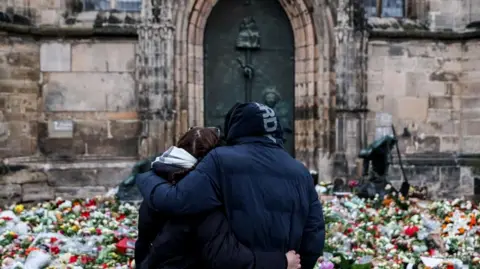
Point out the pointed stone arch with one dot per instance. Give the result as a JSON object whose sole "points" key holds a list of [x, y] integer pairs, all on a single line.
{"points": [[313, 77]]}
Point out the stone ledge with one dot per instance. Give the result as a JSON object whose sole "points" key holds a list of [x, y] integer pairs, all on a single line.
{"points": [[439, 159], [65, 32], [425, 34]]}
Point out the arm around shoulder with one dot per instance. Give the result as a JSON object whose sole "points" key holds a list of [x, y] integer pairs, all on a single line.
{"points": [[195, 193]]}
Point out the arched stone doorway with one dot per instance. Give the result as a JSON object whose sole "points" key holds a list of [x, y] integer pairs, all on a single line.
{"points": [[249, 57], [313, 76]]}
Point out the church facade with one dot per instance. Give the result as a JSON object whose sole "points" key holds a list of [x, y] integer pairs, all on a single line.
{"points": [[90, 86]]}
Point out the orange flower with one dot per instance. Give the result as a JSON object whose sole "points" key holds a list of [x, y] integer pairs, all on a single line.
{"points": [[461, 231], [448, 220], [473, 220], [30, 250], [387, 201]]}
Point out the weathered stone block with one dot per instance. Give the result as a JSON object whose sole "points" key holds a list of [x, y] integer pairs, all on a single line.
{"points": [[122, 129], [76, 192], [22, 59], [111, 177], [20, 73], [50, 17], [415, 82], [23, 176], [103, 57], [471, 102], [432, 88], [91, 129], [471, 127], [473, 76], [114, 147], [37, 192], [17, 138], [62, 148], [394, 78], [440, 128], [440, 102], [429, 144], [470, 114], [470, 144], [55, 57], [449, 144], [72, 177], [89, 92], [10, 191], [18, 86], [470, 89], [100, 175], [412, 108], [442, 115], [400, 64]]}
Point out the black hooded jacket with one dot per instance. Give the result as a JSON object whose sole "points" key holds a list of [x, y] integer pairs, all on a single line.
{"points": [[269, 197], [195, 241]]}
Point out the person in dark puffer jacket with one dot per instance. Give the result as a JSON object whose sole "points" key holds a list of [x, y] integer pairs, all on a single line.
{"points": [[195, 241], [269, 197]]}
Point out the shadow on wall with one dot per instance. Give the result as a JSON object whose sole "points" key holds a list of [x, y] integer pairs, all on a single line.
{"points": [[22, 16]]}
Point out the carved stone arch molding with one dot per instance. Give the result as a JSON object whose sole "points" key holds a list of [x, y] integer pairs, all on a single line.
{"points": [[313, 83]]}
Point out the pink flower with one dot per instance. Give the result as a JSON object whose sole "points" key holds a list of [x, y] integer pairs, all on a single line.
{"points": [[326, 265], [352, 184]]}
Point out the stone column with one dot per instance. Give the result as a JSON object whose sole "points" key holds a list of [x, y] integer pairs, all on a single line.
{"points": [[350, 84], [155, 76]]}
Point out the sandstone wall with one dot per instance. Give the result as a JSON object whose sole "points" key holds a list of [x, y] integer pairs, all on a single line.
{"points": [[68, 110], [19, 96], [432, 90]]}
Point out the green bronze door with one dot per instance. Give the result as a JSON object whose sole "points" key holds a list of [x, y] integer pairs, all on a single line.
{"points": [[249, 56]]}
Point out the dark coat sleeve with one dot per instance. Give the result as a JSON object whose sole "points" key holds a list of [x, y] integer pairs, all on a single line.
{"points": [[168, 245], [147, 231], [195, 193], [220, 249], [313, 238]]}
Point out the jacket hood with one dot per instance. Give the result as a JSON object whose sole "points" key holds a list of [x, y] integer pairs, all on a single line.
{"points": [[177, 157], [252, 120], [171, 161]]}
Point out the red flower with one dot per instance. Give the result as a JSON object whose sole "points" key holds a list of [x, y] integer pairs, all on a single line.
{"points": [[55, 250], [85, 215], [53, 240], [7, 218], [73, 259], [411, 231], [352, 184], [431, 252], [104, 265], [121, 217], [450, 266], [99, 231], [91, 203]]}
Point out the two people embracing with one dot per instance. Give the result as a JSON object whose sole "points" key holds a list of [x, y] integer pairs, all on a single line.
{"points": [[236, 202]]}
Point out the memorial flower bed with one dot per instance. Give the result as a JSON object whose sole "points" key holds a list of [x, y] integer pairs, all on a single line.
{"points": [[95, 233]]}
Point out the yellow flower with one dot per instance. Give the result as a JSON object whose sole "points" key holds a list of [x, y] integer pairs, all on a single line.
{"points": [[19, 209], [75, 228]]}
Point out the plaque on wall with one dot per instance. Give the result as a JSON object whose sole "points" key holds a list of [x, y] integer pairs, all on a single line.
{"points": [[60, 129]]}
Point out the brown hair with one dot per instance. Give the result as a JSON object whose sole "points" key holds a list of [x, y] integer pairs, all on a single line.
{"points": [[198, 142]]}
